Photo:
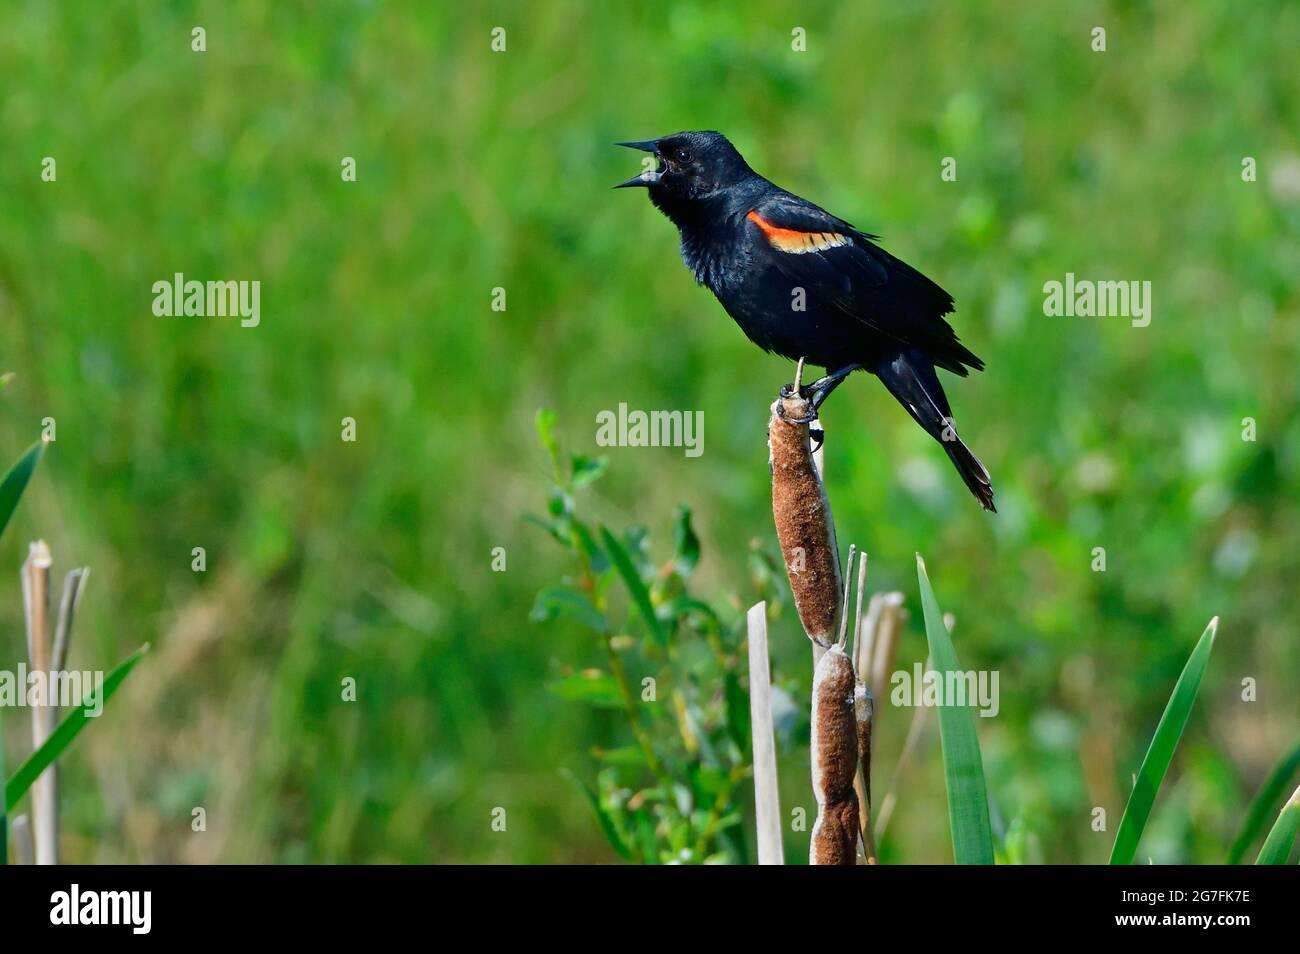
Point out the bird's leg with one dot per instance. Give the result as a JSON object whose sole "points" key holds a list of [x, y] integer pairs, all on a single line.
{"points": [[821, 389], [792, 390]]}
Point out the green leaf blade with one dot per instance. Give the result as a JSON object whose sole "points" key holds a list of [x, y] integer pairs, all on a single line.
{"points": [[587, 470], [66, 731], [545, 423], [15, 482], [622, 561], [1161, 750], [686, 544], [963, 768], [603, 819], [1261, 809], [556, 602], [591, 687], [1277, 846]]}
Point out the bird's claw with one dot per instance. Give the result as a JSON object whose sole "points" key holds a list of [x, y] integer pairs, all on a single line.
{"points": [[789, 391]]}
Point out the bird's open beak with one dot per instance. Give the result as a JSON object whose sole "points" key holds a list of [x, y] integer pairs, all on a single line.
{"points": [[649, 177]]}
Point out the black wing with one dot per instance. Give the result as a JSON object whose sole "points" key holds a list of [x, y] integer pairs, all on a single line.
{"points": [[840, 265]]}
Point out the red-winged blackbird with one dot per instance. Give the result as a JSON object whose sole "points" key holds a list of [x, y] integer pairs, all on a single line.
{"points": [[804, 284]]}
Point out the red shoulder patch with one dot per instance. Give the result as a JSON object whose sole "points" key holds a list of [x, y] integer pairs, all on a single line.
{"points": [[794, 241]]}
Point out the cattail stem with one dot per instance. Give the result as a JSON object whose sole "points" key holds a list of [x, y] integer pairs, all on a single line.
{"points": [[629, 706], [864, 714]]}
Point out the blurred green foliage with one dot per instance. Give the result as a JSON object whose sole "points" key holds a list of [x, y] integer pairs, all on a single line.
{"points": [[671, 796], [478, 170]]}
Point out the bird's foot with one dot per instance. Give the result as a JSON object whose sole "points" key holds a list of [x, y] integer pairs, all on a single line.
{"points": [[793, 394], [815, 434]]}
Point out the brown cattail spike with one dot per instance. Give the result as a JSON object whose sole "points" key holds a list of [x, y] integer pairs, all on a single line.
{"points": [[834, 761], [802, 513], [835, 750]]}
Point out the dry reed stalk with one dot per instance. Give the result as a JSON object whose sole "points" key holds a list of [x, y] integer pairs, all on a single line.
{"points": [[36, 608], [72, 587], [875, 647], [889, 630], [887, 804], [864, 645], [24, 853], [767, 804], [804, 526]]}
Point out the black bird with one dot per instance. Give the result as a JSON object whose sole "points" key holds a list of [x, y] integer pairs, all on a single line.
{"points": [[807, 285]]}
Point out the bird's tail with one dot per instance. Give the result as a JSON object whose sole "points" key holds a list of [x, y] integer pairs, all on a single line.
{"points": [[910, 378]]}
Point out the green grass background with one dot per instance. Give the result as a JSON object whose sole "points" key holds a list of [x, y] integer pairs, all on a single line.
{"points": [[477, 170]]}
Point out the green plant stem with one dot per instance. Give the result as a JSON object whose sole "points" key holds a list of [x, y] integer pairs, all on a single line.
{"points": [[629, 703]]}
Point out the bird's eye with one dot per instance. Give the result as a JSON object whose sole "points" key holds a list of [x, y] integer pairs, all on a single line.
{"points": [[682, 155]]}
